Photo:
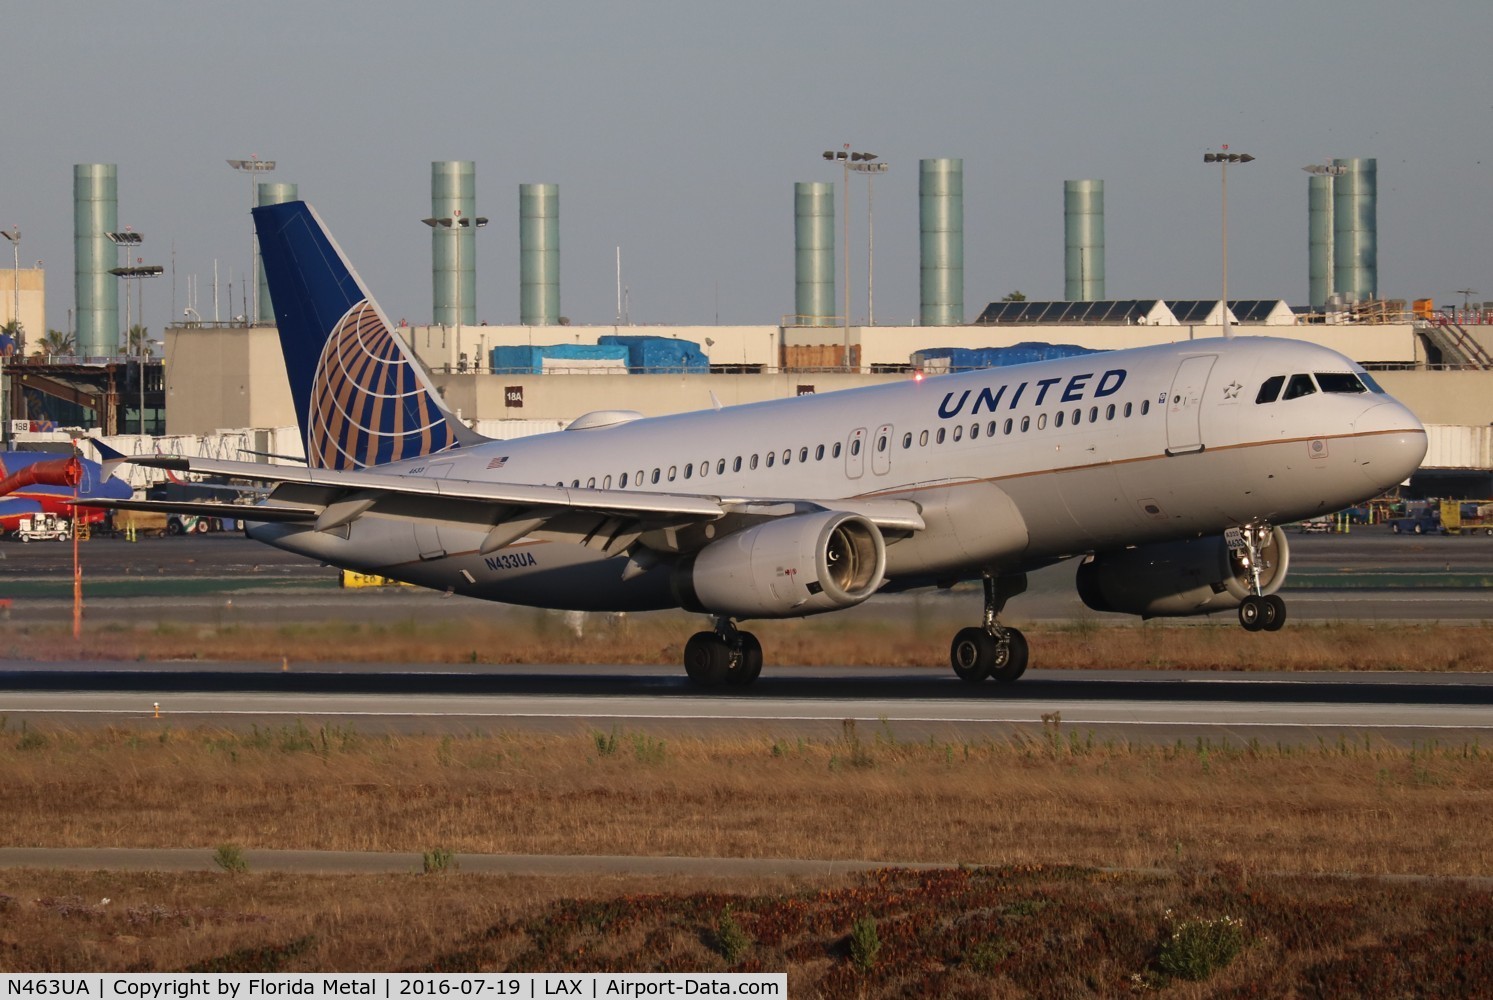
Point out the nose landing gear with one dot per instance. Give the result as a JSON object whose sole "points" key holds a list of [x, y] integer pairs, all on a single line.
{"points": [[1257, 612]]}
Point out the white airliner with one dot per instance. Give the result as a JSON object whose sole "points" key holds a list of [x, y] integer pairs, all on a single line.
{"points": [[1165, 469]]}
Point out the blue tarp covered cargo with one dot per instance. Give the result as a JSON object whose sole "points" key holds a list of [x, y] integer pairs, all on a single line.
{"points": [[535, 359], [659, 354], [996, 357]]}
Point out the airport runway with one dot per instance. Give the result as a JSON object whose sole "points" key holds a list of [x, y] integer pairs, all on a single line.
{"points": [[1138, 706], [221, 579]]}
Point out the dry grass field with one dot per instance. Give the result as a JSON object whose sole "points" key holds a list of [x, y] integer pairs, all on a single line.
{"points": [[1259, 835], [544, 637], [1016, 931]]}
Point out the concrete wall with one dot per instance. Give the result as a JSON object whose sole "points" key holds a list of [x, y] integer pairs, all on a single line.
{"points": [[33, 282], [225, 377], [1460, 397], [234, 377]]}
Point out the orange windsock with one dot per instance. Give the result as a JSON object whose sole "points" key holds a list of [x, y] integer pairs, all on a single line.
{"points": [[52, 472]]}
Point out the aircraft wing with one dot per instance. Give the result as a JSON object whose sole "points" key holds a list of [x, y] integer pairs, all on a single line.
{"points": [[332, 498]]}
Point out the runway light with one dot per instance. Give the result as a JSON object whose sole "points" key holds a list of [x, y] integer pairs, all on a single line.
{"points": [[157, 706]]}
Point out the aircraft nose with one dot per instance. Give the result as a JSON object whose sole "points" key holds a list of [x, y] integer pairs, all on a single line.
{"points": [[1391, 442]]}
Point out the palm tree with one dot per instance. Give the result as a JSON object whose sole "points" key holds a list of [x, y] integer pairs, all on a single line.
{"points": [[139, 342], [16, 331], [57, 344]]}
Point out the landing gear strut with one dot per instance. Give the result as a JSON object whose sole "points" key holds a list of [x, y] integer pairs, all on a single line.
{"points": [[725, 656], [1257, 611], [991, 649]]}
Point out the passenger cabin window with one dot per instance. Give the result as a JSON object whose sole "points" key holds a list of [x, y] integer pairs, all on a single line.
{"points": [[1300, 385], [1025, 423], [819, 453], [907, 440], [1270, 389], [835, 452], [1340, 382], [772, 457]]}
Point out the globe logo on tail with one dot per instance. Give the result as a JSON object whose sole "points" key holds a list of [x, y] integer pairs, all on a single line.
{"points": [[369, 404]]}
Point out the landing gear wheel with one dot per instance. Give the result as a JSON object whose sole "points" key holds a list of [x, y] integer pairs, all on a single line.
{"points": [[972, 654], [1277, 616], [706, 659], [1252, 613], [748, 662], [1010, 658]]}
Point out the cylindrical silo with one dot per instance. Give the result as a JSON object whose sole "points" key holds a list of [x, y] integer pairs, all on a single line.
{"points": [[814, 253], [95, 216], [539, 254], [269, 194], [1083, 241], [453, 246], [1319, 239], [1355, 221], [941, 220]]}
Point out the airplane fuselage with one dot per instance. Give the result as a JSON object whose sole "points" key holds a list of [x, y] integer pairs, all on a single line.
{"points": [[1010, 468]]}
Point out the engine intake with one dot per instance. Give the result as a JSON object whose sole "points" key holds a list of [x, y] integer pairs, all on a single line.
{"points": [[804, 564], [1173, 579]]}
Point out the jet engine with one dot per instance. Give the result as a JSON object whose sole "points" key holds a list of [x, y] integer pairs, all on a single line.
{"points": [[803, 564], [1172, 579]]}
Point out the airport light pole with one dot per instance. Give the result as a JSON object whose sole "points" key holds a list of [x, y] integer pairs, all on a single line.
{"points": [[135, 273], [1223, 159], [14, 235], [870, 170], [454, 223], [253, 166], [846, 156]]}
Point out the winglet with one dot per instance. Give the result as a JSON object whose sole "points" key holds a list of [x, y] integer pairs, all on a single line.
{"points": [[109, 459]]}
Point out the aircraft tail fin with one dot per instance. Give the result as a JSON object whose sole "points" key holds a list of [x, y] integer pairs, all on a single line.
{"points": [[360, 396], [109, 458]]}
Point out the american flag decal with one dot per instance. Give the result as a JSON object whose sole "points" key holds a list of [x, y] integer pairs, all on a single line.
{"points": [[498, 463]]}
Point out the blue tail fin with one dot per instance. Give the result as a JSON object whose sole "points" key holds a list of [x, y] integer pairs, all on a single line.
{"points": [[359, 394]]}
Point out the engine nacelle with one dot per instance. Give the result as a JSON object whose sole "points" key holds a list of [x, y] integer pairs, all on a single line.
{"points": [[792, 566], [1172, 579]]}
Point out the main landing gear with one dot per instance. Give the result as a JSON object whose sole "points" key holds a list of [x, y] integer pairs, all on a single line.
{"points": [[724, 656], [991, 649], [1257, 612]]}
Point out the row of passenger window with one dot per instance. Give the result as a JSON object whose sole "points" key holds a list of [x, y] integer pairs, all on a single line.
{"points": [[1303, 384], [750, 463]]}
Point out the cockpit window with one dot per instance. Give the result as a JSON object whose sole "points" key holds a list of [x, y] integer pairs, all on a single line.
{"points": [[1344, 382], [1300, 385], [1271, 389], [1373, 386]]}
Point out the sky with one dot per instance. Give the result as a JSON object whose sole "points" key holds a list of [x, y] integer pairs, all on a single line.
{"points": [[676, 131]]}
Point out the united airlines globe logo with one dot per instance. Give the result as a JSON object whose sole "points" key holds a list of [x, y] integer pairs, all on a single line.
{"points": [[368, 403]]}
